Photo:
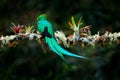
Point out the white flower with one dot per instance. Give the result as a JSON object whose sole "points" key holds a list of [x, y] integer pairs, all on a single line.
{"points": [[115, 36], [61, 38], [111, 36], [2, 38], [9, 38], [33, 35]]}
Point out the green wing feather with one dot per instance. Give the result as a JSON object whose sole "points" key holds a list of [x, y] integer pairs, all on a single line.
{"points": [[52, 47], [52, 43]]}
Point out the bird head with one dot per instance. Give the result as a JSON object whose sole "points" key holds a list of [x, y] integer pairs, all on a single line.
{"points": [[42, 17]]}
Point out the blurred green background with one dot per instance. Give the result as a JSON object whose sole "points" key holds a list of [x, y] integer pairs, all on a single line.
{"points": [[27, 61]]}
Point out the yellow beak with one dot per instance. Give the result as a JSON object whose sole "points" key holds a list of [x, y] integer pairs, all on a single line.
{"points": [[37, 19]]}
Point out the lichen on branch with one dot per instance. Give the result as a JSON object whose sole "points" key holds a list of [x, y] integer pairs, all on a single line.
{"points": [[81, 35]]}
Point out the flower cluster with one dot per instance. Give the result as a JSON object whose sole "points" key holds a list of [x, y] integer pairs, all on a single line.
{"points": [[81, 35], [17, 29], [20, 32]]}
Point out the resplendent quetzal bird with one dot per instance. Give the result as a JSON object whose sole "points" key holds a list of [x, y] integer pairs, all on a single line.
{"points": [[45, 27]]}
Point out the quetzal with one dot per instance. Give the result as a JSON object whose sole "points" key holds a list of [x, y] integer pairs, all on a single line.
{"points": [[45, 27]]}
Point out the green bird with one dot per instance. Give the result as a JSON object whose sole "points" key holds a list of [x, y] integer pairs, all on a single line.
{"points": [[45, 27]]}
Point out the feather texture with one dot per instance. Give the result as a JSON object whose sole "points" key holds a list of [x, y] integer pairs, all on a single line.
{"points": [[42, 24]]}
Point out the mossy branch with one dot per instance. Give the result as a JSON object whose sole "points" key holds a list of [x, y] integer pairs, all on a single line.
{"points": [[81, 35]]}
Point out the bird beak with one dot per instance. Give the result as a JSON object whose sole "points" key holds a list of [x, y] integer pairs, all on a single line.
{"points": [[37, 19]]}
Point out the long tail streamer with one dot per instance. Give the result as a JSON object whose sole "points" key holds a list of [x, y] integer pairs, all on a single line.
{"points": [[59, 50]]}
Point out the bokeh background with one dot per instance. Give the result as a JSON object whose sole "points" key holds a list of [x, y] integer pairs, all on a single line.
{"points": [[27, 61]]}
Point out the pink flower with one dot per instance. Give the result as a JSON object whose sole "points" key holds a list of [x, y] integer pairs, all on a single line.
{"points": [[17, 29]]}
